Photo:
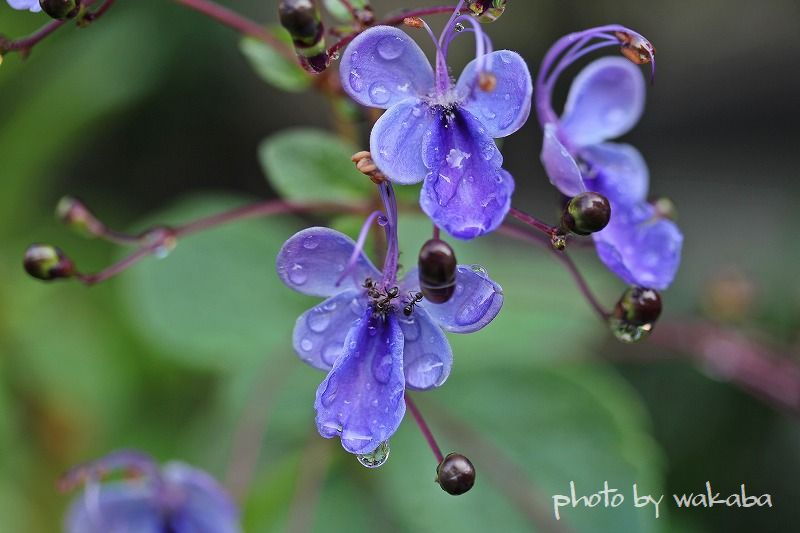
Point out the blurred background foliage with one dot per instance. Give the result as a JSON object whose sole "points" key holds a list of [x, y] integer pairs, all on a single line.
{"points": [[157, 115]]}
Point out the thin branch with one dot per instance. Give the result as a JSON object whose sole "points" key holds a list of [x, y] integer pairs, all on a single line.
{"points": [[532, 221]]}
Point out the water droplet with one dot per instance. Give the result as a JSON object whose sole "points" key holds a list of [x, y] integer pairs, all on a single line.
{"points": [[390, 48], [329, 394], [310, 242], [382, 368], [459, 27], [417, 111], [627, 332], [356, 82], [411, 329], [306, 345], [379, 94], [376, 458], [488, 150], [425, 371], [478, 269], [318, 320], [331, 352], [488, 113], [297, 275]]}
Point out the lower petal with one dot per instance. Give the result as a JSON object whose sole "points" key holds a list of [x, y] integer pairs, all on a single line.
{"points": [[123, 506], [320, 332], [617, 171], [475, 302], [427, 357], [559, 165], [396, 141], [465, 192], [361, 399], [205, 506]]}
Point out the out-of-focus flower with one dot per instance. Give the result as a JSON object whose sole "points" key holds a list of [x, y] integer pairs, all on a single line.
{"points": [[31, 5], [177, 498], [439, 132], [605, 101], [375, 335]]}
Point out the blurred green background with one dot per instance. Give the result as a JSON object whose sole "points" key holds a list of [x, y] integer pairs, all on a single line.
{"points": [[153, 115]]}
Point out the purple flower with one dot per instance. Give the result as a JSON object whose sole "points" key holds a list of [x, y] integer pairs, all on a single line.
{"points": [[369, 335], [605, 101], [31, 5], [177, 498], [437, 131]]}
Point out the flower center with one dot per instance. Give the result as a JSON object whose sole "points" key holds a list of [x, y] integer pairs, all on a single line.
{"points": [[381, 299]]}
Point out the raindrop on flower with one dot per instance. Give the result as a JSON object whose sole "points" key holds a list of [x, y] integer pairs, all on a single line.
{"points": [[459, 27], [376, 458]]}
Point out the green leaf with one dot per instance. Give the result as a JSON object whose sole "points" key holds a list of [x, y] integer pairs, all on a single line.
{"points": [[273, 67], [216, 301], [313, 165]]}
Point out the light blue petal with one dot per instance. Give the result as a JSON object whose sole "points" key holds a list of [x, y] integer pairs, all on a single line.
{"points": [[320, 332], [605, 101], [384, 66], [505, 109], [31, 5], [361, 399], [397, 138], [427, 357], [559, 165], [475, 303], [204, 506], [312, 260], [130, 507], [617, 171]]}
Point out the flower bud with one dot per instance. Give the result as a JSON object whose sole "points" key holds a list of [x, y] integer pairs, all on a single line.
{"points": [[302, 20], [61, 9], [666, 208], [456, 474], [47, 263], [437, 271], [636, 48], [487, 10], [635, 314], [74, 213], [586, 213]]}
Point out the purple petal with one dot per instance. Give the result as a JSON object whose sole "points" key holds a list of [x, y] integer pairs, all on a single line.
{"points": [[427, 357], [396, 141], [639, 247], [361, 399], [31, 5], [320, 332], [605, 101], [465, 192], [312, 260], [128, 506], [203, 505], [559, 165], [475, 303], [384, 66], [505, 109], [618, 172]]}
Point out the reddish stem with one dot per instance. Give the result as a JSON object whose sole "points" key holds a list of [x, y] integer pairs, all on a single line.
{"points": [[423, 427], [533, 222]]}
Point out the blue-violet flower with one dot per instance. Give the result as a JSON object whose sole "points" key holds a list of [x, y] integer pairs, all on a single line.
{"points": [[605, 101], [176, 498], [372, 335], [31, 5], [437, 131]]}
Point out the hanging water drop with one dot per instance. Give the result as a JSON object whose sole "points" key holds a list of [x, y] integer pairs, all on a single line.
{"points": [[376, 458], [459, 27]]}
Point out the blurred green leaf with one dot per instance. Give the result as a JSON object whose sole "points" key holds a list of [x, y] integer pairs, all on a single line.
{"points": [[273, 67], [313, 165], [338, 10], [216, 301]]}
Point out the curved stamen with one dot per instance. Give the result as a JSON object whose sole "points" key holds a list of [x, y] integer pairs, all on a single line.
{"points": [[393, 249], [359, 248]]}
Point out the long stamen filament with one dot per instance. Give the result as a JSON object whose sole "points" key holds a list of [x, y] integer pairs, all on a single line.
{"points": [[359, 248], [393, 248]]}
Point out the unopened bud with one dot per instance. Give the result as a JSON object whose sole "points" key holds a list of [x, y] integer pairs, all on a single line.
{"points": [[487, 10], [61, 9], [47, 263], [487, 82], [666, 208], [74, 213], [413, 22], [302, 20], [586, 213], [456, 474], [437, 271], [367, 166], [636, 48]]}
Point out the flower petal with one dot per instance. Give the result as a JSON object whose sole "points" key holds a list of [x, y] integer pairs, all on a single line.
{"points": [[205, 506], [639, 247], [618, 172], [31, 5], [475, 303], [427, 357], [605, 101], [320, 332], [361, 399], [384, 66], [559, 165], [122, 506], [465, 192], [396, 141], [505, 109], [312, 260]]}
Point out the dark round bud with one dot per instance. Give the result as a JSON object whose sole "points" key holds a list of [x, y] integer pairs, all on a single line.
{"points": [[487, 10], [455, 474], [638, 306], [586, 213], [47, 263], [77, 216], [301, 19], [61, 9], [437, 271]]}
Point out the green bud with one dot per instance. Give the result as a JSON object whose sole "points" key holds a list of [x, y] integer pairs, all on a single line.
{"points": [[586, 213], [74, 213], [47, 263], [61, 9]]}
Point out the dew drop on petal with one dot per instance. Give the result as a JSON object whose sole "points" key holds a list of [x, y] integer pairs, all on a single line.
{"points": [[426, 369], [297, 275], [378, 93], [329, 394], [356, 82], [376, 458], [390, 48], [488, 113], [411, 329], [310, 242], [318, 320], [331, 352], [306, 345]]}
